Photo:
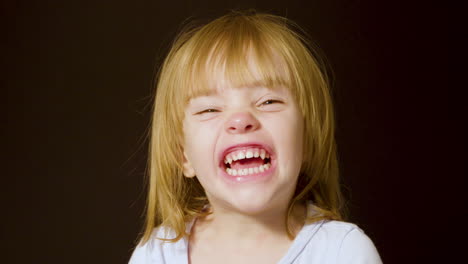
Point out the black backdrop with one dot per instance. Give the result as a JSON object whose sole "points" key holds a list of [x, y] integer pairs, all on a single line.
{"points": [[78, 80]]}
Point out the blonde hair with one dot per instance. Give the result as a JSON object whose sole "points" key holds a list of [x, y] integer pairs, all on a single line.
{"points": [[229, 43]]}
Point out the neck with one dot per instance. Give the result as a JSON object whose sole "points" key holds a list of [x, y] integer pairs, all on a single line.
{"points": [[231, 225]]}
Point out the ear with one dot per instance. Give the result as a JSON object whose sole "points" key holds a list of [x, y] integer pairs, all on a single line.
{"points": [[189, 172]]}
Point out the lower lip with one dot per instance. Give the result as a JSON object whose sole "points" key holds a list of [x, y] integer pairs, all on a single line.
{"points": [[256, 177]]}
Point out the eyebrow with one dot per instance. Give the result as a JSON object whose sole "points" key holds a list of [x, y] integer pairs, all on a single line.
{"points": [[206, 92], [198, 94], [211, 92]]}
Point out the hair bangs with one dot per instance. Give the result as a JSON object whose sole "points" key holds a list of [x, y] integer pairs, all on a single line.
{"points": [[244, 57]]}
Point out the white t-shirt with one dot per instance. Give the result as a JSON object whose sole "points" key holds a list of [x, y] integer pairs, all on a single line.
{"points": [[321, 242]]}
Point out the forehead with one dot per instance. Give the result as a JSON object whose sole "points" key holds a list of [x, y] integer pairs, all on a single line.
{"points": [[245, 71], [226, 91]]}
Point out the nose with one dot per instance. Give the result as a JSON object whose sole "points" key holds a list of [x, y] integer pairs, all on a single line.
{"points": [[242, 122]]}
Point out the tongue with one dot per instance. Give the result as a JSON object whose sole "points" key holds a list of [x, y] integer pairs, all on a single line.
{"points": [[246, 163]]}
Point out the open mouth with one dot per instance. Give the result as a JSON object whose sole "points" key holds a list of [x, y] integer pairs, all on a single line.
{"points": [[247, 161]]}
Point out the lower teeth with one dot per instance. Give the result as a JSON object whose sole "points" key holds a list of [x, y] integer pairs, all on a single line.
{"points": [[248, 171]]}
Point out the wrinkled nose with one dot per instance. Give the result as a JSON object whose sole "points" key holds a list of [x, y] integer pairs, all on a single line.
{"points": [[242, 122]]}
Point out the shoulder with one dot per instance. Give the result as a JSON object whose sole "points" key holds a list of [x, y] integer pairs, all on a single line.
{"points": [[156, 250], [343, 243], [149, 251]]}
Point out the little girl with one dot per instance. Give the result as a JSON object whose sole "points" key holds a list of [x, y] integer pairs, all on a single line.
{"points": [[243, 164]]}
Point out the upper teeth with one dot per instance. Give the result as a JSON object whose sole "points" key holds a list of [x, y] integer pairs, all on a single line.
{"points": [[246, 154]]}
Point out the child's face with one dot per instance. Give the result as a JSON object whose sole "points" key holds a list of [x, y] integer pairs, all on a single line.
{"points": [[241, 122]]}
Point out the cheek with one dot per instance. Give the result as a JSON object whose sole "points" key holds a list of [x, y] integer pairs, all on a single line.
{"points": [[191, 135], [199, 143], [290, 137]]}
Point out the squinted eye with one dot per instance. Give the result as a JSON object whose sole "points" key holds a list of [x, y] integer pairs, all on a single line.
{"points": [[207, 111], [271, 101]]}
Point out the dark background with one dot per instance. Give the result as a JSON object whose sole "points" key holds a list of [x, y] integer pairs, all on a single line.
{"points": [[78, 80]]}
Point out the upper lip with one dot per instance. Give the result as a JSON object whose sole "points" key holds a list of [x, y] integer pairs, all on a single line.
{"points": [[231, 148]]}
